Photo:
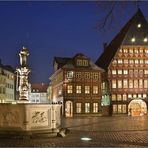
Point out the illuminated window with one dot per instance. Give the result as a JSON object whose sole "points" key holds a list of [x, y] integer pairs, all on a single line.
{"points": [[87, 75], [124, 108], [146, 61], [131, 61], [113, 97], [95, 76], [145, 83], [139, 95], [124, 97], [119, 97], [140, 83], [87, 89], [135, 83], [136, 50], [87, 107], [125, 50], [114, 108], [78, 89], [145, 39], [85, 62], [78, 75], [114, 84], [78, 107], [119, 83], [129, 95], [133, 39], [60, 91], [144, 95], [103, 85], [130, 50], [69, 89], [119, 108], [130, 83], [120, 50], [79, 62], [141, 51], [95, 89], [146, 50], [69, 74], [95, 107], [114, 61], [119, 72], [136, 61], [145, 72], [114, 72], [119, 61], [141, 61], [125, 72], [125, 83], [139, 25], [134, 95], [125, 61]]}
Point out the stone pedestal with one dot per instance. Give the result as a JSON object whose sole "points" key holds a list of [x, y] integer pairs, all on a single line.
{"points": [[29, 119]]}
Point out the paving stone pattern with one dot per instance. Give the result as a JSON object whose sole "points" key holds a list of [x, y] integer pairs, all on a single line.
{"points": [[104, 132]]}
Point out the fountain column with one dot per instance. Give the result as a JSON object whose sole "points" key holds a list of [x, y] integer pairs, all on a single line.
{"points": [[22, 77]]}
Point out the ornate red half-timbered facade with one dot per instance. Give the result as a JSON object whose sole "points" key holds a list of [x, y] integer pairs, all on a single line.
{"points": [[125, 61]]}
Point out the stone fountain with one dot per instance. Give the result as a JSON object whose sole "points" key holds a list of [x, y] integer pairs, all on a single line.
{"points": [[23, 118]]}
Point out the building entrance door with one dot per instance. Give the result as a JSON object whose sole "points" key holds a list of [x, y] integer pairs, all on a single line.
{"points": [[68, 109], [137, 107]]}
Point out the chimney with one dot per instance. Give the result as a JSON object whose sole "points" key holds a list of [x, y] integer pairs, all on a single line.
{"points": [[104, 46]]}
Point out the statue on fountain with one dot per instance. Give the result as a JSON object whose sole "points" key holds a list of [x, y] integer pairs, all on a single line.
{"points": [[22, 76]]}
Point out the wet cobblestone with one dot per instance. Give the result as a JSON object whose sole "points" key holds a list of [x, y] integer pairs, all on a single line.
{"points": [[104, 132]]}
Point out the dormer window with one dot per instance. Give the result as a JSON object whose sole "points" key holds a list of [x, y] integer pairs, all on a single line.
{"points": [[81, 62], [85, 62]]}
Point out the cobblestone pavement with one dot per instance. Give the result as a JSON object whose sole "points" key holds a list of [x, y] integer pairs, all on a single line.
{"points": [[104, 132]]}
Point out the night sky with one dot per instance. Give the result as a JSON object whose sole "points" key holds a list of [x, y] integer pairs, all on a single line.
{"points": [[51, 29]]}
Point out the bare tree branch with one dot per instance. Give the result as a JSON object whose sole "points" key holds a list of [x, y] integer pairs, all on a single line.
{"points": [[110, 8]]}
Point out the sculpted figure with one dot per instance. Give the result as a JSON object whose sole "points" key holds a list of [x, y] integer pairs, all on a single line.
{"points": [[23, 56]]}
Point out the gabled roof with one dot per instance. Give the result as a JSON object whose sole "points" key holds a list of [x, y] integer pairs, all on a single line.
{"points": [[61, 61], [70, 62], [39, 87], [124, 38], [7, 67]]}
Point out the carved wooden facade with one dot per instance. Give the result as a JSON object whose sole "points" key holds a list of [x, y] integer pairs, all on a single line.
{"points": [[77, 84], [125, 60]]}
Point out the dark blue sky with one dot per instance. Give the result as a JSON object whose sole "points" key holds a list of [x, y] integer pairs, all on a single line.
{"points": [[51, 29]]}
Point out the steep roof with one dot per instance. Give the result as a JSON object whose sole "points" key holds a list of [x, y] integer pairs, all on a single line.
{"points": [[7, 67], [61, 61], [70, 62], [124, 37], [39, 87]]}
